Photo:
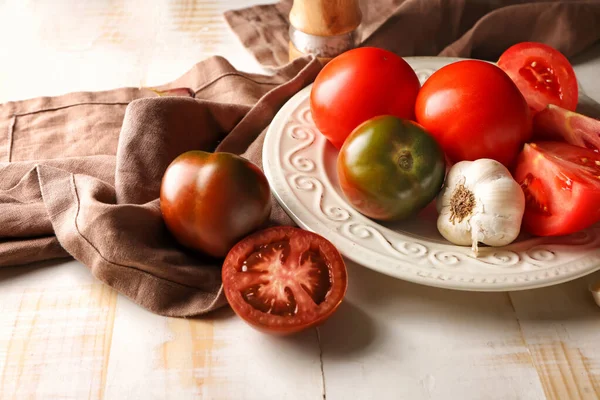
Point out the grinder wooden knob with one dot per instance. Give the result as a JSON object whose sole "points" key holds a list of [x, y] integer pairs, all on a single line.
{"points": [[323, 28]]}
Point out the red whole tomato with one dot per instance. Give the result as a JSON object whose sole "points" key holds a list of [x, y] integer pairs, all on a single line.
{"points": [[209, 201], [282, 280], [543, 75], [474, 111], [561, 183], [555, 123], [358, 85]]}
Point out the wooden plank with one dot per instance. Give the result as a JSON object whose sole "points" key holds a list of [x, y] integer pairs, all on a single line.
{"points": [[213, 358], [418, 342], [397, 340], [560, 325], [561, 329], [55, 332], [105, 44], [64, 335]]}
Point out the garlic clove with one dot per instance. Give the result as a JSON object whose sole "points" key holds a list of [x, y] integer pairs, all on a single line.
{"points": [[459, 233], [480, 203]]}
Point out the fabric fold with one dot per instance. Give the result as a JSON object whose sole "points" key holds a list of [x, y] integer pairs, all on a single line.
{"points": [[101, 206], [458, 28], [127, 246]]}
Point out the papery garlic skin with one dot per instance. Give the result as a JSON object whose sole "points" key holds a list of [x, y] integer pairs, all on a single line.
{"points": [[480, 203]]}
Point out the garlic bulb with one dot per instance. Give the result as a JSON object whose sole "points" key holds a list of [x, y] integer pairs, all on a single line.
{"points": [[480, 203]]}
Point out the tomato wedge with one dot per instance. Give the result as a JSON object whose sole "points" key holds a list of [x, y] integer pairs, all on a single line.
{"points": [[561, 183], [555, 123], [543, 75], [282, 280]]}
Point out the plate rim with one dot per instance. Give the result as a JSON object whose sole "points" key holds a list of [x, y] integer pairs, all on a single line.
{"points": [[588, 264]]}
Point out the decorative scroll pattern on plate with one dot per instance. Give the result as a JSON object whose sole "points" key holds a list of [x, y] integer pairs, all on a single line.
{"points": [[307, 189]]}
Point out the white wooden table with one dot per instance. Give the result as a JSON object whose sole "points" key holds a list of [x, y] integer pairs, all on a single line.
{"points": [[64, 335]]}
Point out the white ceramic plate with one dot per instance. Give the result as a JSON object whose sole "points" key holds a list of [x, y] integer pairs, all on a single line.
{"points": [[300, 166]]}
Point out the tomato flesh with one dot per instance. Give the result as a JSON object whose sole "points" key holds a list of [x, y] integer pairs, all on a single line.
{"points": [[541, 77], [556, 123], [542, 74], [536, 198], [284, 279], [561, 183], [278, 278]]}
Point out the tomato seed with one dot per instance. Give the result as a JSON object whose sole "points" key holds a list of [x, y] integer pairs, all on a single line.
{"points": [[318, 282], [541, 77], [589, 145], [584, 160], [535, 195], [262, 297]]}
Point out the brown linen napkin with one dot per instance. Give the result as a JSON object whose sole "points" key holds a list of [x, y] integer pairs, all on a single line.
{"points": [[456, 28], [81, 175]]}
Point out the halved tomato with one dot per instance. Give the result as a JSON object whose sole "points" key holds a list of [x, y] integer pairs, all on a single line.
{"points": [[283, 279], [561, 183], [556, 123], [543, 75]]}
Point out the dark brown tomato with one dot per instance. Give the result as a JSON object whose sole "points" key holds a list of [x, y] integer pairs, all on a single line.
{"points": [[282, 280], [209, 201]]}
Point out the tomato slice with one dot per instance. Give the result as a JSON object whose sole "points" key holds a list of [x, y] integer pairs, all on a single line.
{"points": [[543, 75], [561, 183], [556, 123], [283, 279]]}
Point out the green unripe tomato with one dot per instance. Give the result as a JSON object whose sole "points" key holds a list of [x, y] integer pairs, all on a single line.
{"points": [[390, 168]]}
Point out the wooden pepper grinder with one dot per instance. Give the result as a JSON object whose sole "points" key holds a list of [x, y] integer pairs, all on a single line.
{"points": [[323, 28]]}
